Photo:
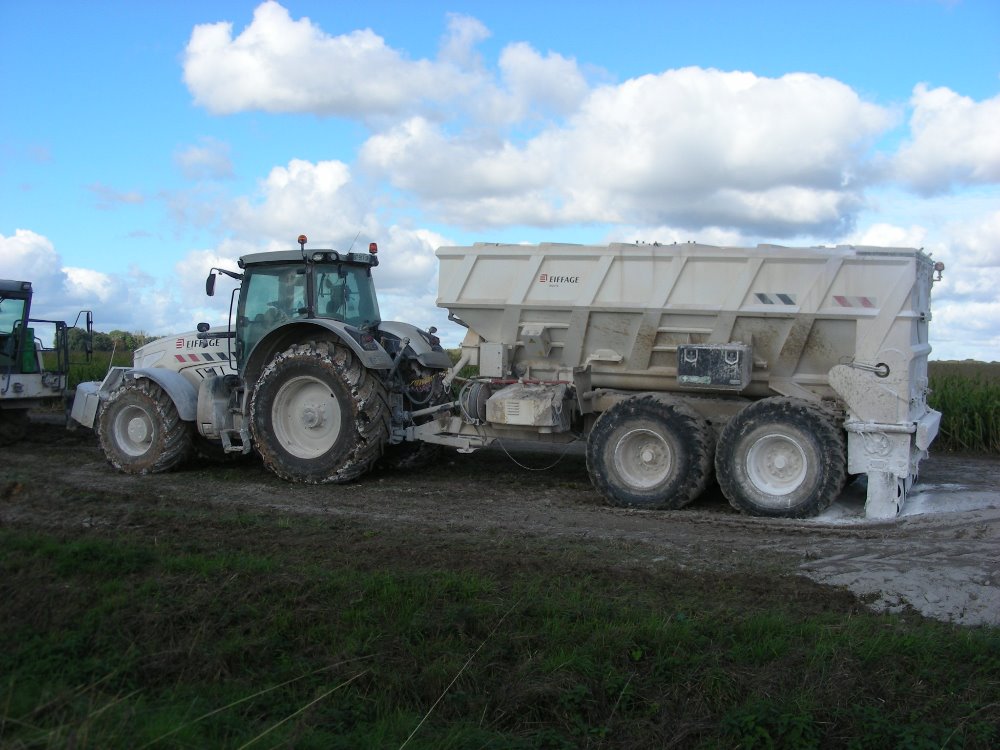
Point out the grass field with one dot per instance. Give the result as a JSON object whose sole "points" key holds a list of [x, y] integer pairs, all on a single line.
{"points": [[200, 630]]}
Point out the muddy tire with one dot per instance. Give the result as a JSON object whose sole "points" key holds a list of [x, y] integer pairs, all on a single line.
{"points": [[650, 452], [783, 458], [140, 430], [13, 425], [317, 415]]}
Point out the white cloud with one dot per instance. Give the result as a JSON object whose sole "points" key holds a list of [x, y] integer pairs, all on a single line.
{"points": [[464, 33], [954, 141], [277, 64], [27, 256], [317, 199], [965, 303], [692, 147], [208, 160], [977, 243], [883, 234], [60, 292], [420, 157], [108, 198], [86, 283], [666, 235], [539, 85]]}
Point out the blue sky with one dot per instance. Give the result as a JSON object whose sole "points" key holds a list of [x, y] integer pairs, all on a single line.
{"points": [[142, 142]]}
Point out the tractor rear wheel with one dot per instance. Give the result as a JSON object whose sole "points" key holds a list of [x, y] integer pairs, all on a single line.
{"points": [[650, 452], [317, 415], [781, 457], [140, 430]]}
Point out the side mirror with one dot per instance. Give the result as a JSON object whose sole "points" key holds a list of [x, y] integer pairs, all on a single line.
{"points": [[88, 342], [210, 286]]}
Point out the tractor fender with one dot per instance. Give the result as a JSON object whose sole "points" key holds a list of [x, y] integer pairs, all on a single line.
{"points": [[371, 355], [181, 392], [426, 353], [89, 395]]}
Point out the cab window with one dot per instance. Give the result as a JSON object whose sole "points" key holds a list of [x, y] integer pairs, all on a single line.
{"points": [[347, 295], [274, 295]]}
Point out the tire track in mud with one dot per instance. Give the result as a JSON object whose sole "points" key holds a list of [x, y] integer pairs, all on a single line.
{"points": [[942, 565]]}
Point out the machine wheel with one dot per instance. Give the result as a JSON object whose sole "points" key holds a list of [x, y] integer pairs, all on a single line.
{"points": [[650, 452], [13, 425], [781, 457], [317, 415], [140, 430]]}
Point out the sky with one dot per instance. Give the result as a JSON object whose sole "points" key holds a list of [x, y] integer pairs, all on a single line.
{"points": [[142, 143]]}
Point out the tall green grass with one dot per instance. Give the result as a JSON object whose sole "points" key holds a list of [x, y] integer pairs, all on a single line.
{"points": [[80, 371], [968, 396]]}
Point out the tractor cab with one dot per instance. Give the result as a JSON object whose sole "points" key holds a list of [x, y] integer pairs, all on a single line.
{"points": [[286, 290], [34, 358], [31, 346], [15, 336]]}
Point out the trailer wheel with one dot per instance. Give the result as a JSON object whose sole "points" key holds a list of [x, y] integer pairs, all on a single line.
{"points": [[650, 452], [781, 457], [317, 415], [140, 430]]}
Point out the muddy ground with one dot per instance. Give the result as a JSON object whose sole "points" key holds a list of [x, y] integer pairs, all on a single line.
{"points": [[941, 557]]}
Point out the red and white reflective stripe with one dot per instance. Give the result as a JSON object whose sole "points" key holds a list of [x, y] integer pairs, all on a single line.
{"points": [[855, 301], [200, 357]]}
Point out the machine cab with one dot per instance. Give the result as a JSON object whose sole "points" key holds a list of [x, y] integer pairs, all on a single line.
{"points": [[15, 305], [283, 287]]}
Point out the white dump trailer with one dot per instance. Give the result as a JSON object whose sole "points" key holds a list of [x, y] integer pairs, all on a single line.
{"points": [[783, 371]]}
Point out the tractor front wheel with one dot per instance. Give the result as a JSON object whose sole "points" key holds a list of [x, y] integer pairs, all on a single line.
{"points": [[140, 430]]}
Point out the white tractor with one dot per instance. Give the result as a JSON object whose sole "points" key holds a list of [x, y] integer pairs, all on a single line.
{"points": [[306, 374]]}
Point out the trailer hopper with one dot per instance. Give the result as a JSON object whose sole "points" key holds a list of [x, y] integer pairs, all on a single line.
{"points": [[712, 330]]}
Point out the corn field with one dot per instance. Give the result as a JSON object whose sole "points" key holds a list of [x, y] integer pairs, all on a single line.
{"points": [[968, 396]]}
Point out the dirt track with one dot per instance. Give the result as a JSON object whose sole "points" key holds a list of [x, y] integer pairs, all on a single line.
{"points": [[942, 564]]}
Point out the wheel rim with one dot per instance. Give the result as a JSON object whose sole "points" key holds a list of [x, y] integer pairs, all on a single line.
{"points": [[777, 464], [134, 430], [643, 458], [306, 417]]}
